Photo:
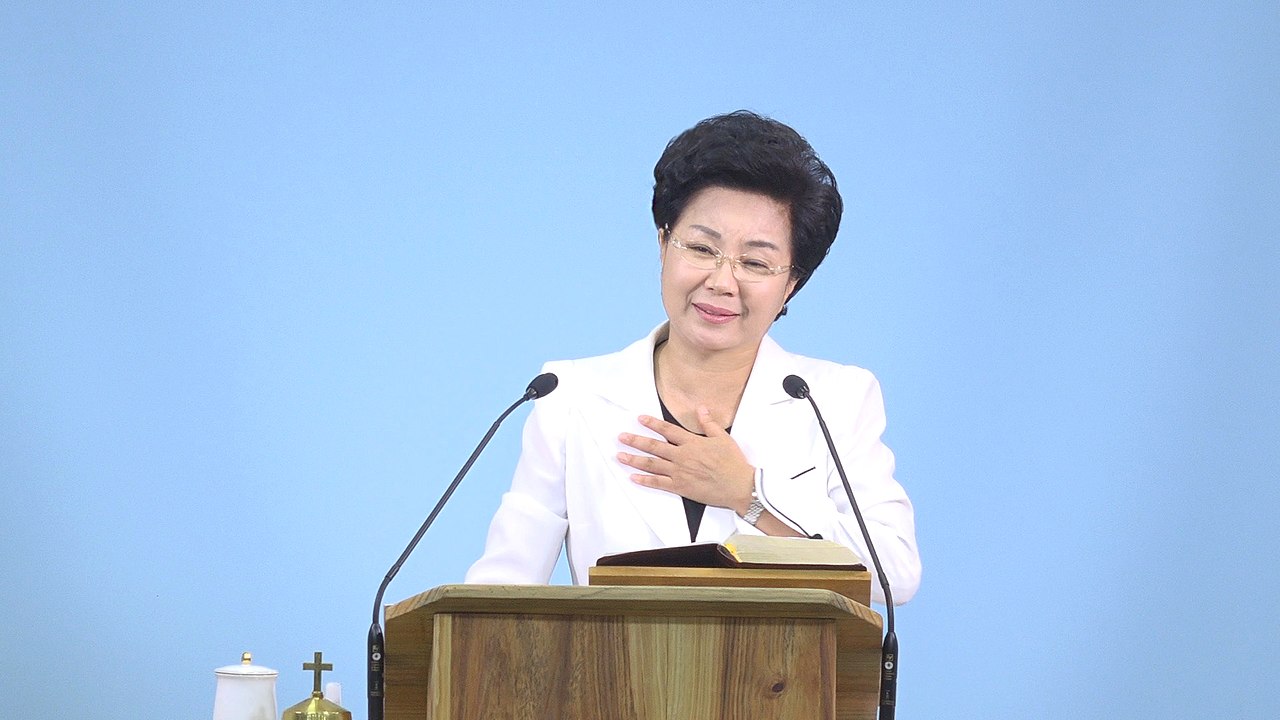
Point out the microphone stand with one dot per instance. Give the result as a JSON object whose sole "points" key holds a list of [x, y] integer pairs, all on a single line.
{"points": [[889, 651], [541, 385]]}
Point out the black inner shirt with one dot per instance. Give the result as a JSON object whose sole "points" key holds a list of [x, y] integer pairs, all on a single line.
{"points": [[693, 510]]}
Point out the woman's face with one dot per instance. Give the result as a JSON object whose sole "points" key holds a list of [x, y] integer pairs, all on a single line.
{"points": [[712, 310]]}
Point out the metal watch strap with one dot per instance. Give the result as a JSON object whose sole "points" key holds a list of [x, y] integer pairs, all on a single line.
{"points": [[754, 510]]}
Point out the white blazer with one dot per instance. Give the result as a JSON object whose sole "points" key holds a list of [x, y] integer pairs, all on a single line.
{"points": [[569, 488]]}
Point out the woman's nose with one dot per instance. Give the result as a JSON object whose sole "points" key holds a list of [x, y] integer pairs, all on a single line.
{"points": [[721, 277]]}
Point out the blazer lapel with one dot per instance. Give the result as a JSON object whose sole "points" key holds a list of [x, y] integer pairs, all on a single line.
{"points": [[756, 423], [778, 432], [627, 388]]}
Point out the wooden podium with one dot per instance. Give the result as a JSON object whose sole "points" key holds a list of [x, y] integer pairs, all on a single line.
{"points": [[463, 652]]}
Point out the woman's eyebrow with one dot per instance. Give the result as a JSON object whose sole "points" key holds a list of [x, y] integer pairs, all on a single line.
{"points": [[761, 244], [715, 235]]}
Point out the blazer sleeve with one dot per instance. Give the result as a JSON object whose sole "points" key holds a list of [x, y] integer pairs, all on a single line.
{"points": [[856, 418], [528, 530]]}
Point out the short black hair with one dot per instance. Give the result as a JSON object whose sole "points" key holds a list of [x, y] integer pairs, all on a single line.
{"points": [[746, 151]]}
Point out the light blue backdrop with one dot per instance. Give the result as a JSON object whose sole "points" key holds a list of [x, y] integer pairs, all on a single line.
{"points": [[266, 276]]}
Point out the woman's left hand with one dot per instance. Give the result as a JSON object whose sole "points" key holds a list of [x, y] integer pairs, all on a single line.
{"points": [[711, 469]]}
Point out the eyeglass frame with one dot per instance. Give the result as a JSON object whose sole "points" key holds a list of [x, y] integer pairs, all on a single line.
{"points": [[735, 261]]}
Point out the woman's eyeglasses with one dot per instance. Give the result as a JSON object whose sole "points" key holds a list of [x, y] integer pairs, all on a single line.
{"points": [[704, 256]]}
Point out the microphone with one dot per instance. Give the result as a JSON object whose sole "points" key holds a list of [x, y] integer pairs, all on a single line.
{"points": [[796, 387], [540, 386]]}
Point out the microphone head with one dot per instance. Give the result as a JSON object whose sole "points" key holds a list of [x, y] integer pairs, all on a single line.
{"points": [[542, 386], [795, 386]]}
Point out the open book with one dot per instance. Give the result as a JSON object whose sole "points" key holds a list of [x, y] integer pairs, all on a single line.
{"points": [[745, 551]]}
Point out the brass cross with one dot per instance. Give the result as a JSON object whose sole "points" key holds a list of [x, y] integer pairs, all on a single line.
{"points": [[319, 668]]}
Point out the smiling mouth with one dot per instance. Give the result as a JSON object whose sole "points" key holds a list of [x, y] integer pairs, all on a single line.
{"points": [[714, 314]]}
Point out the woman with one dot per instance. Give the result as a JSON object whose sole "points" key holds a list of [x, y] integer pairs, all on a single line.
{"points": [[688, 435]]}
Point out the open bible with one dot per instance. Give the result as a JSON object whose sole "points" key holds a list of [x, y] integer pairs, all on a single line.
{"points": [[744, 551]]}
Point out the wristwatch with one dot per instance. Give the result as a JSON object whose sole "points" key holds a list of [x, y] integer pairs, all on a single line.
{"points": [[754, 510]]}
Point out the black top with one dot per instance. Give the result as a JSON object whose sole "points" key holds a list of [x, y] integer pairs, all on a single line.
{"points": [[693, 509]]}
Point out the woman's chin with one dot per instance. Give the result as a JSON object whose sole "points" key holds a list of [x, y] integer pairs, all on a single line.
{"points": [[716, 337]]}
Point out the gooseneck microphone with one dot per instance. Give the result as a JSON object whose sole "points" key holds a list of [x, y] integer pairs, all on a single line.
{"points": [[540, 386], [797, 388]]}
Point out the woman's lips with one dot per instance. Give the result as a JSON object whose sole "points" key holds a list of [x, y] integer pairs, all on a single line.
{"points": [[714, 314]]}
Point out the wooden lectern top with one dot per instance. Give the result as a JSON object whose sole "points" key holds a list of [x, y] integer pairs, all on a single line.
{"points": [[630, 651], [640, 601]]}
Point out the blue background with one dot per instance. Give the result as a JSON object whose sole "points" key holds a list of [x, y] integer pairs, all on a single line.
{"points": [[268, 273]]}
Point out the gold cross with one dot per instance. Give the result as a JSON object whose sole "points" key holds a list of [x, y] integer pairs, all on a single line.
{"points": [[319, 668]]}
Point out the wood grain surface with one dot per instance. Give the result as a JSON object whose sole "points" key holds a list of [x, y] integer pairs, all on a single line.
{"points": [[642, 653]]}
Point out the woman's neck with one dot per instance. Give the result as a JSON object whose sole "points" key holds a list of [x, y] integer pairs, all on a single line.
{"points": [[687, 380]]}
